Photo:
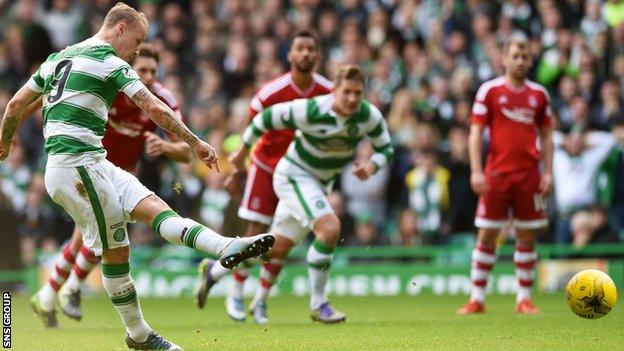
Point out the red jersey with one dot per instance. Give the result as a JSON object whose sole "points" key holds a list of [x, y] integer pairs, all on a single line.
{"points": [[513, 116], [124, 139], [273, 144]]}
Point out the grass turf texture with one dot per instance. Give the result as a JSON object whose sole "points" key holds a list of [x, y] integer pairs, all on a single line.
{"points": [[423, 322]]}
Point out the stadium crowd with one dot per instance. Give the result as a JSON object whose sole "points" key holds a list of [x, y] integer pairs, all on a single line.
{"points": [[424, 59]]}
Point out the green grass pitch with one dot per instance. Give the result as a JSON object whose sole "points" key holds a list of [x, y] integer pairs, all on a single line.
{"points": [[423, 322]]}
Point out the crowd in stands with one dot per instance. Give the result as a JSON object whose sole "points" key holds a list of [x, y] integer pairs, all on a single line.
{"points": [[425, 60]]}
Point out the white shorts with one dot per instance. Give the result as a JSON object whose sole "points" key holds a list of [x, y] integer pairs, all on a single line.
{"points": [[302, 200], [99, 198]]}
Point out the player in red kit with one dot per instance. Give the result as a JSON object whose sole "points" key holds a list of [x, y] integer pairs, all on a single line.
{"points": [[517, 113], [129, 133], [259, 200]]}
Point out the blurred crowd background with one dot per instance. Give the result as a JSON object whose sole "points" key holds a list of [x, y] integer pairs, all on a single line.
{"points": [[425, 60]]}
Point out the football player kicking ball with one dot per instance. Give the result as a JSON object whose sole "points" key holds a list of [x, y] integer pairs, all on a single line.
{"points": [[328, 129], [128, 132], [517, 112], [259, 199], [78, 85]]}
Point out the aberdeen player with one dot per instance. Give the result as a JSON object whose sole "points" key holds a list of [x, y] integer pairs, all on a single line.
{"points": [[128, 133], [517, 112], [259, 200]]}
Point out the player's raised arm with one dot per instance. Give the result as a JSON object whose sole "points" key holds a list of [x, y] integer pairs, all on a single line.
{"points": [[276, 117], [16, 110], [167, 119]]}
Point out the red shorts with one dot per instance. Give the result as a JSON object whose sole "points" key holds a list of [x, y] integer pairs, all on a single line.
{"points": [[259, 200], [514, 196]]}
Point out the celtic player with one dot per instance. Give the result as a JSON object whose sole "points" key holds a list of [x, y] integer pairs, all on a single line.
{"points": [[328, 129], [79, 85]]}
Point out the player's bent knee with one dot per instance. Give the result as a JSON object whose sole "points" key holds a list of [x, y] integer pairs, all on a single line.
{"points": [[148, 208], [76, 240], [116, 255], [327, 228]]}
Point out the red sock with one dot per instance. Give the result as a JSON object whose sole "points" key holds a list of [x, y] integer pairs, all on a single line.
{"points": [[64, 263], [483, 259], [524, 259]]}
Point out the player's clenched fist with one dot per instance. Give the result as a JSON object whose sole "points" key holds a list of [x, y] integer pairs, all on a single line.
{"points": [[207, 154], [154, 145], [363, 170], [479, 183], [238, 158]]}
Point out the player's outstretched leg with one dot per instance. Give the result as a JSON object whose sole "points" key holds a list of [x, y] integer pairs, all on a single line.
{"points": [[319, 258], [185, 231], [69, 295], [44, 301], [483, 260], [525, 258]]}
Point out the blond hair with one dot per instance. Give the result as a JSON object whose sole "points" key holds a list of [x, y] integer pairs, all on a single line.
{"points": [[519, 40], [124, 13], [350, 72]]}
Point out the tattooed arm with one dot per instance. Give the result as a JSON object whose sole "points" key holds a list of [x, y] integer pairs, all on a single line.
{"points": [[167, 119], [16, 110], [164, 116]]}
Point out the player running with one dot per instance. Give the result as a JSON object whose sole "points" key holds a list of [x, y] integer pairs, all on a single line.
{"points": [[517, 112], [79, 84], [328, 129], [128, 132], [259, 200]]}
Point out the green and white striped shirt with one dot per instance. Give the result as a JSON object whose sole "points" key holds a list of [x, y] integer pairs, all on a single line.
{"points": [[324, 142], [79, 85]]}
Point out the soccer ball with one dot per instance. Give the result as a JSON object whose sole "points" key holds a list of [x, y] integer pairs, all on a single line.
{"points": [[591, 294]]}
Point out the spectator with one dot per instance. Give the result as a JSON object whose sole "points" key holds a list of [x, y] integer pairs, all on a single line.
{"points": [[427, 184], [63, 22], [562, 103], [462, 201], [610, 181], [368, 196], [366, 232], [576, 160], [610, 107], [563, 59], [614, 12]]}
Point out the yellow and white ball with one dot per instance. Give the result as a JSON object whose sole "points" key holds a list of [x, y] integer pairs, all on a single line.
{"points": [[591, 294]]}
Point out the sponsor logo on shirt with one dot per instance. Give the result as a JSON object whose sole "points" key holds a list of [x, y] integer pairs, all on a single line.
{"points": [[519, 114]]}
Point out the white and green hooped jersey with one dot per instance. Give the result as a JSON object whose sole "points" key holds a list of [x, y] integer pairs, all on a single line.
{"points": [[324, 142], [79, 85]]}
